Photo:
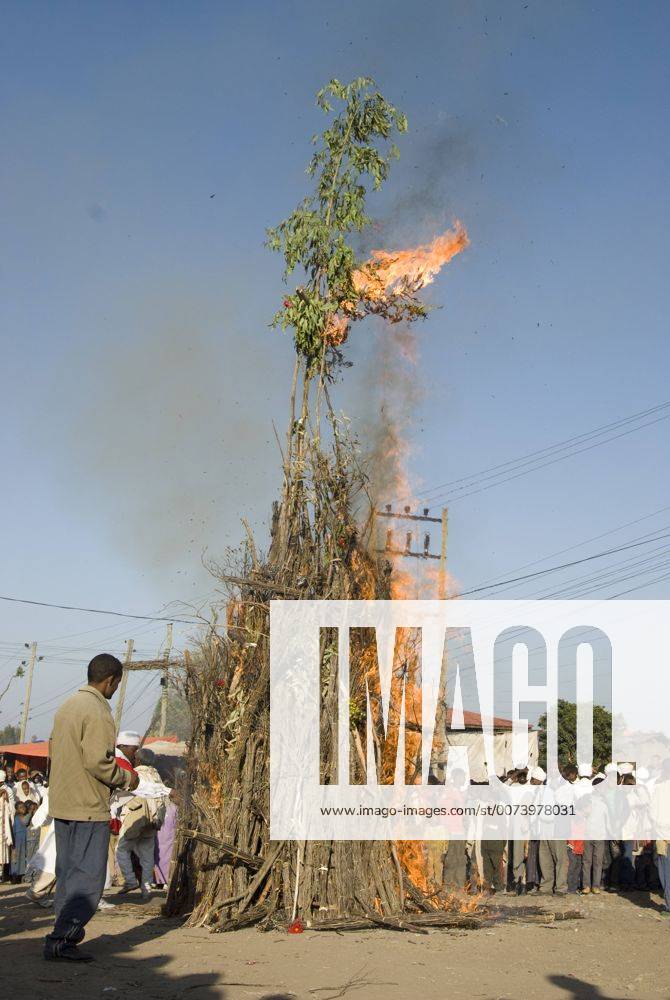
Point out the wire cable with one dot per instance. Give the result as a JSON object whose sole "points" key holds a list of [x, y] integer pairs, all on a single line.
{"points": [[566, 565], [99, 611], [537, 455]]}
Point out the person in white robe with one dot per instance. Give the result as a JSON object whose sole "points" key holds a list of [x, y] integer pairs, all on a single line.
{"points": [[43, 861], [6, 824], [142, 817], [26, 791]]}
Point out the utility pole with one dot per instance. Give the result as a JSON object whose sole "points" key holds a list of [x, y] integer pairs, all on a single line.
{"points": [[434, 848], [442, 592], [391, 548], [29, 686], [164, 664], [164, 680], [130, 645]]}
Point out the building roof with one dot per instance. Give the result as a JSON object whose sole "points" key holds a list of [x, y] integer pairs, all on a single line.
{"points": [[168, 747], [473, 720], [39, 749]]}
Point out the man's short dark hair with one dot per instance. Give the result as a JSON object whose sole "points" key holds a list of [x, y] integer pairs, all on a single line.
{"points": [[102, 666]]}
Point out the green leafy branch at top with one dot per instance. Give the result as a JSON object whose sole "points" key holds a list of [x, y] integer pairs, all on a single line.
{"points": [[352, 156]]}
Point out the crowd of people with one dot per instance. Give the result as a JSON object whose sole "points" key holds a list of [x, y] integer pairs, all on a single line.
{"points": [[21, 796], [142, 829], [142, 825], [579, 864], [105, 815]]}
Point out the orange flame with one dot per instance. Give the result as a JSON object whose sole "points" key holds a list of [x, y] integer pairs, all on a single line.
{"points": [[392, 272], [396, 273], [412, 857], [337, 329], [462, 902]]}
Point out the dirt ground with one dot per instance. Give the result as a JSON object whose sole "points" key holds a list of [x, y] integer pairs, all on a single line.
{"points": [[620, 950]]}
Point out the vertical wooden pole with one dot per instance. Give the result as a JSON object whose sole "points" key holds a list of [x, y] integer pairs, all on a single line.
{"points": [[29, 687], [443, 554], [130, 645], [164, 681]]}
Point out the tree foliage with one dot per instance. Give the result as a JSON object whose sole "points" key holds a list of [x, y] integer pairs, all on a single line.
{"points": [[567, 735], [178, 720], [352, 155], [19, 672], [9, 734]]}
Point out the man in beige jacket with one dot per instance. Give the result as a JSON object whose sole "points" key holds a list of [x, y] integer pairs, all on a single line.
{"points": [[83, 775]]}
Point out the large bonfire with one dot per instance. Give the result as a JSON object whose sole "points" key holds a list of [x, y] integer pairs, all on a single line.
{"points": [[229, 873]]}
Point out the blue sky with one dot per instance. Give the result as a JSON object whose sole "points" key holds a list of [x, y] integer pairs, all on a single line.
{"points": [[140, 378]]}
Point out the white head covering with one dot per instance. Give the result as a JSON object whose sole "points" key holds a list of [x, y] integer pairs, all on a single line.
{"points": [[32, 795], [537, 774], [626, 768], [128, 738], [3, 776], [642, 774], [610, 768], [584, 771]]}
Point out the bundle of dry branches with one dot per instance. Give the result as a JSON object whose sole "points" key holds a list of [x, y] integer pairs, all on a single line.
{"points": [[229, 873]]}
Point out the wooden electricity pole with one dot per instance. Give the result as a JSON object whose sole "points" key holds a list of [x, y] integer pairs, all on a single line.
{"points": [[164, 681], [434, 848], [29, 687], [130, 645], [391, 547], [442, 591], [164, 664]]}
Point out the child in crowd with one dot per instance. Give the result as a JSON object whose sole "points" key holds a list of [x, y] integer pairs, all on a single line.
{"points": [[18, 860]]}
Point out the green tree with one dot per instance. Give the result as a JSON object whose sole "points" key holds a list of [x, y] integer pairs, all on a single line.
{"points": [[9, 734], [19, 672], [352, 157], [567, 735], [352, 154], [178, 721]]}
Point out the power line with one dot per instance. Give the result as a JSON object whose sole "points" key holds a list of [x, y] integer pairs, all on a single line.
{"points": [[551, 453], [50, 701], [138, 698], [110, 640], [99, 611], [593, 577], [559, 446], [603, 578], [659, 579], [553, 461], [567, 565], [587, 541], [89, 631]]}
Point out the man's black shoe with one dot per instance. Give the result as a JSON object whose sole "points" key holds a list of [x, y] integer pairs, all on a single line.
{"points": [[61, 951]]}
